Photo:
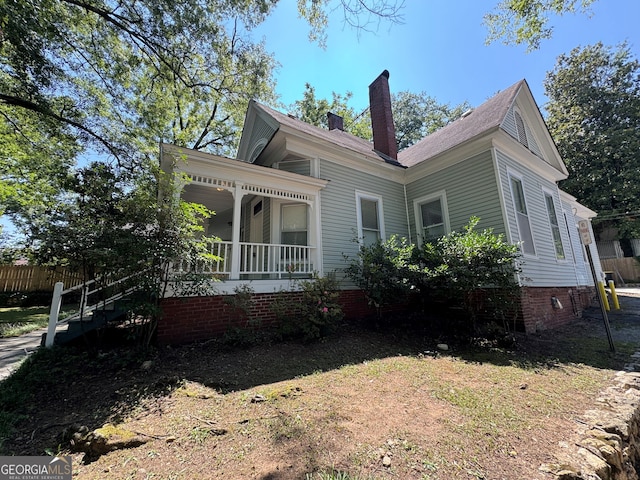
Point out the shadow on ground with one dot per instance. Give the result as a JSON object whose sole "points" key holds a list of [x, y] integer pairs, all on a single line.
{"points": [[56, 389]]}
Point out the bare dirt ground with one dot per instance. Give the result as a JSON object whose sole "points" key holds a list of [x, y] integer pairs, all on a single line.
{"points": [[361, 404]]}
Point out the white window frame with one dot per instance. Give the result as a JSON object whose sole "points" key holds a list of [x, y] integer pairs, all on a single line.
{"points": [[513, 175], [281, 229], [375, 198], [417, 210], [549, 193], [570, 223]]}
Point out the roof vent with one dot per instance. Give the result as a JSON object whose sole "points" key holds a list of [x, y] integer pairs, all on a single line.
{"points": [[467, 113]]}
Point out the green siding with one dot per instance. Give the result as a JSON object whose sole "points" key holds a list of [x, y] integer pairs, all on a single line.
{"points": [[543, 269], [338, 215], [471, 190]]}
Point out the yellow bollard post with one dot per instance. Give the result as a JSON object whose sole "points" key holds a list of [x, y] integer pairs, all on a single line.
{"points": [[614, 295], [603, 295]]}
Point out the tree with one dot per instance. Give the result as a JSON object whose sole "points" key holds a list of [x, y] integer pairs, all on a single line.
{"points": [[100, 67], [118, 77], [314, 111], [594, 117], [178, 71], [527, 21], [358, 14], [415, 114], [107, 231], [36, 157]]}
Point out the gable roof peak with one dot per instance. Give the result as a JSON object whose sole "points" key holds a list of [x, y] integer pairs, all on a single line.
{"points": [[477, 121]]}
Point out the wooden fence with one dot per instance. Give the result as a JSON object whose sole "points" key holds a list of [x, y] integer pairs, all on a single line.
{"points": [[627, 267], [29, 278]]}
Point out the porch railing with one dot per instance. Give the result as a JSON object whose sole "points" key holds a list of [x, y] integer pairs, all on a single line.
{"points": [[112, 290], [268, 260]]}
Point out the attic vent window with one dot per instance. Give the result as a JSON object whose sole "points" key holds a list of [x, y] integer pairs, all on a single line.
{"points": [[522, 133]]}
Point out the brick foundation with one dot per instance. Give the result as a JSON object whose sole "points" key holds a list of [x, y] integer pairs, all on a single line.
{"points": [[193, 319], [539, 313]]}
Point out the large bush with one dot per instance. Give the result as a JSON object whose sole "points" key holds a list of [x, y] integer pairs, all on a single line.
{"points": [[475, 270], [470, 269]]}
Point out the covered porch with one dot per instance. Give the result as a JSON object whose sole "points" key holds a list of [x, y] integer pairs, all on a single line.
{"points": [[267, 220]]}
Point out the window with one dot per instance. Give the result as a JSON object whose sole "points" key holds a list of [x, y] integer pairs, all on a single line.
{"points": [[369, 210], [522, 217], [431, 216], [555, 228], [568, 220], [294, 224]]}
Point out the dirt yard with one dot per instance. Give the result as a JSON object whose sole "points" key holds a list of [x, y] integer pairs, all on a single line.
{"points": [[358, 405]]}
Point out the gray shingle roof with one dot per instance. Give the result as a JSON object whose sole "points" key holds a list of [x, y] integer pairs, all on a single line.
{"points": [[336, 137], [487, 116]]}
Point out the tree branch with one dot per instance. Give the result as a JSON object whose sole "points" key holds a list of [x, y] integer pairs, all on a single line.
{"points": [[47, 112]]}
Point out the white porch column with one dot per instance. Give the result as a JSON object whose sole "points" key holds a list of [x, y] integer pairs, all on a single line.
{"points": [[316, 219], [235, 235]]}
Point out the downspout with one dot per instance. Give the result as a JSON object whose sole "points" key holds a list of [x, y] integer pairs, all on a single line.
{"points": [[406, 209]]}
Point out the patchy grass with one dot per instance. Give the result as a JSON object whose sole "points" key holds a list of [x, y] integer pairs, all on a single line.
{"points": [[16, 321], [356, 406]]}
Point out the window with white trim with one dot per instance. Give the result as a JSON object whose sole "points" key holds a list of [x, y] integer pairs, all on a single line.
{"points": [[294, 229], [431, 216], [568, 220], [555, 227], [522, 216], [370, 225]]}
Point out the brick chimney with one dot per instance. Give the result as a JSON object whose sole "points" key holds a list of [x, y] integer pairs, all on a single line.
{"points": [[384, 132], [335, 121]]}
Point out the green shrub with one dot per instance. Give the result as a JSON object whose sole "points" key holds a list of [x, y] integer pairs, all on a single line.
{"points": [[475, 270], [311, 310], [244, 328], [470, 269], [381, 271]]}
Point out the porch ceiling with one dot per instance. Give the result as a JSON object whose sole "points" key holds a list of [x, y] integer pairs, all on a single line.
{"points": [[211, 198]]}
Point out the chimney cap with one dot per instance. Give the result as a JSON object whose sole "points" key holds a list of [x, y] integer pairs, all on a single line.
{"points": [[385, 74]]}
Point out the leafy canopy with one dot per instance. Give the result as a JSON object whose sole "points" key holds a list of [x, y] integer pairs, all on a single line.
{"points": [[527, 21], [115, 78], [594, 117]]}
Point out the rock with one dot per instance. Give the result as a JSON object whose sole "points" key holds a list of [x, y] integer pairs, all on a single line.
{"points": [[146, 365], [386, 461], [258, 398], [601, 468], [105, 439], [443, 346]]}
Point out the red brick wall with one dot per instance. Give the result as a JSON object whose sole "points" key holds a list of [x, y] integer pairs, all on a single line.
{"points": [[538, 311], [200, 318]]}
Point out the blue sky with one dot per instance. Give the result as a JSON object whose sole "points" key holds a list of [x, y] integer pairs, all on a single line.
{"points": [[439, 49]]}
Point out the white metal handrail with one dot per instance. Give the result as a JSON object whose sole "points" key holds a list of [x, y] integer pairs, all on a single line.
{"points": [[84, 309]]}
